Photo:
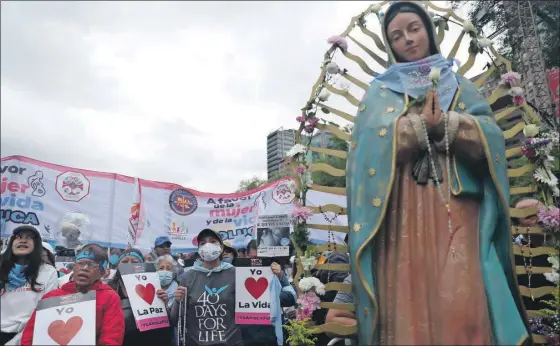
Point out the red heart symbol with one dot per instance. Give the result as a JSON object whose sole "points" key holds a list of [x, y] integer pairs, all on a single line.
{"points": [[63, 332], [146, 293], [256, 288]]}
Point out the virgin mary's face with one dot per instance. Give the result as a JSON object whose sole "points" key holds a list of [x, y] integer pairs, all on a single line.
{"points": [[408, 37]]}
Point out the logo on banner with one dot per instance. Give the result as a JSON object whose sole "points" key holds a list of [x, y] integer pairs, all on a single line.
{"points": [[36, 183], [283, 193], [182, 202], [177, 230], [72, 186]]}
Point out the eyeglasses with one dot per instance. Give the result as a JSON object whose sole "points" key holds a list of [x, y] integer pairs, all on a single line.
{"points": [[82, 264], [25, 236]]}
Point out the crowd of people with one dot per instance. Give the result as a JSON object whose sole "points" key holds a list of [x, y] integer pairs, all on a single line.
{"points": [[28, 275]]}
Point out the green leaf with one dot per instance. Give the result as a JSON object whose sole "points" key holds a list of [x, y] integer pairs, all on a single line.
{"points": [[324, 110]]}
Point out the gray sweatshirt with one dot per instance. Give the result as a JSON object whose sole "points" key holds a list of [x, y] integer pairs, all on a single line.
{"points": [[210, 307]]}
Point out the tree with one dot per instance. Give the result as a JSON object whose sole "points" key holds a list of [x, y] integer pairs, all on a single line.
{"points": [[547, 21], [250, 184], [325, 179]]}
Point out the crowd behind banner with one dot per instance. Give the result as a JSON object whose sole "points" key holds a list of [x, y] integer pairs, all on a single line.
{"points": [[131, 297]]}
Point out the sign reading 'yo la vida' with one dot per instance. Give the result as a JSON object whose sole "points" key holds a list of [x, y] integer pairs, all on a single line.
{"points": [[252, 295]]}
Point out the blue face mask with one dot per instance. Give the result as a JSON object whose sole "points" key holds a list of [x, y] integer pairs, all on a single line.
{"points": [[114, 259], [165, 277], [227, 260]]}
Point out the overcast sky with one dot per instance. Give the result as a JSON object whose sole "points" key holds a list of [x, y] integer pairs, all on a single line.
{"points": [[182, 92]]}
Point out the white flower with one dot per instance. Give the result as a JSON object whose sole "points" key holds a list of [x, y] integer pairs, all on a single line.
{"points": [[555, 261], [292, 259], [545, 176], [515, 91], [332, 68], [324, 95], [296, 149], [553, 277], [468, 27], [308, 283], [344, 86], [434, 75], [484, 42], [531, 130], [375, 8], [308, 263]]}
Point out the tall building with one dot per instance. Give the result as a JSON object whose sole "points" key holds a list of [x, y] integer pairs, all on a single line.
{"points": [[278, 143]]}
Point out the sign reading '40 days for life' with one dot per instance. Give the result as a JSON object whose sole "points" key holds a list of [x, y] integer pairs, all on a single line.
{"points": [[252, 295], [142, 282], [66, 320]]}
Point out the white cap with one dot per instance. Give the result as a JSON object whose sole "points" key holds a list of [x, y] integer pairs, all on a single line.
{"points": [[49, 248]]}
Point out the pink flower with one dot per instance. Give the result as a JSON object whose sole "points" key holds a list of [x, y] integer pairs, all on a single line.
{"points": [[528, 151], [300, 169], [301, 213], [301, 119], [518, 100], [550, 218], [510, 78], [309, 128], [313, 121], [309, 302], [338, 41]]}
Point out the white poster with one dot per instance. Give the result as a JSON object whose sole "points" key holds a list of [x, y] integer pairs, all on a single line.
{"points": [[66, 320], [252, 295], [72, 206], [142, 282], [273, 235]]}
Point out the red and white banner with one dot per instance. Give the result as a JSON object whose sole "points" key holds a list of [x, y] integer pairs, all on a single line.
{"points": [[73, 206]]}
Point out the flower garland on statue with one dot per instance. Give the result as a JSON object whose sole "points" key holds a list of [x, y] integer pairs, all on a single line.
{"points": [[541, 149]]}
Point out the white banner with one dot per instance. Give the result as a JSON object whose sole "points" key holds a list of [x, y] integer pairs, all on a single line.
{"points": [[73, 206]]}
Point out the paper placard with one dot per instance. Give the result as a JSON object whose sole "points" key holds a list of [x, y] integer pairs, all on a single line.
{"points": [[273, 235], [252, 295], [142, 282], [66, 320]]}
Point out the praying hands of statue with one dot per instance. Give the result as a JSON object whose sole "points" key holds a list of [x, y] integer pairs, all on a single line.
{"points": [[433, 116]]}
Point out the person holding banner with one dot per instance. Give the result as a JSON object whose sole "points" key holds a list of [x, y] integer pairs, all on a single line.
{"points": [[89, 267], [24, 279], [204, 308], [133, 336]]}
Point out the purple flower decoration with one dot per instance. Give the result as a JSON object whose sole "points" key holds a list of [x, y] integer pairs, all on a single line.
{"points": [[510, 78], [313, 121], [519, 100], [550, 218], [338, 41], [300, 169], [301, 119]]}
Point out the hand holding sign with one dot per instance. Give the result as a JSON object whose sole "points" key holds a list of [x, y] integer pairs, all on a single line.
{"points": [[63, 332], [143, 281]]}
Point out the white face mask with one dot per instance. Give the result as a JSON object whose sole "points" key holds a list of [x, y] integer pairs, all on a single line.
{"points": [[209, 252]]}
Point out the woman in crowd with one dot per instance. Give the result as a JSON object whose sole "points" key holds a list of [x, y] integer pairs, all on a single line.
{"points": [[133, 336], [204, 308], [167, 272], [230, 253], [47, 254], [89, 267], [24, 279]]}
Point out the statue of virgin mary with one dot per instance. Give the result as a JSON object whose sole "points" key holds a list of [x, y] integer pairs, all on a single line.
{"points": [[428, 202]]}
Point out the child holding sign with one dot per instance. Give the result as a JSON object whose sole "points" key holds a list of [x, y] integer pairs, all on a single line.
{"points": [[89, 267]]}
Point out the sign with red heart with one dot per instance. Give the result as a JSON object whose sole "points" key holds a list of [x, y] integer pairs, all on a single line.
{"points": [[252, 295], [63, 332], [141, 282], [256, 288], [66, 320], [146, 293]]}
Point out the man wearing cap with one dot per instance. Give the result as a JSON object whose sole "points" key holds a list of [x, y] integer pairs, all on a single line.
{"points": [[162, 247]]}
